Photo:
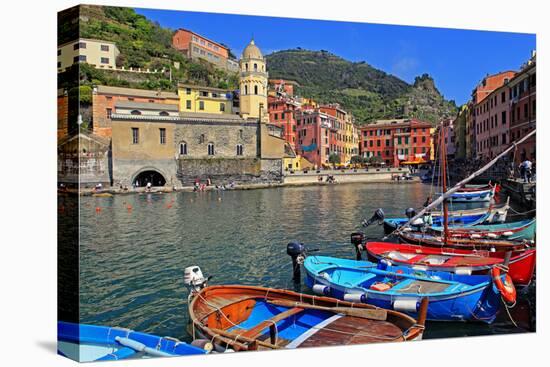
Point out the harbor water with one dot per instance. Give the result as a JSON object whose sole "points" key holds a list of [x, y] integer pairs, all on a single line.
{"points": [[133, 248]]}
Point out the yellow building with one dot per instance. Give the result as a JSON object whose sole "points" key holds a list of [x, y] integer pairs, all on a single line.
{"points": [[351, 140], [99, 54], [253, 84], [432, 147], [205, 99]]}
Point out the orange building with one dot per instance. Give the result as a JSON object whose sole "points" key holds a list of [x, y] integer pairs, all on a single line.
{"points": [[62, 113], [396, 141], [105, 97], [282, 113], [195, 46]]}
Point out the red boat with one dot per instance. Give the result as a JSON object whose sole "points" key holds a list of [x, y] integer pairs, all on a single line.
{"points": [[521, 265]]}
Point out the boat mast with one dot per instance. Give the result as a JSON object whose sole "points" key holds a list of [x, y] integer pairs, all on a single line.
{"points": [[455, 188], [443, 151]]}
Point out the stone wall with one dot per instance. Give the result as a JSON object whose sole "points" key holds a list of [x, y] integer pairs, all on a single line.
{"points": [[225, 137], [224, 170], [126, 170]]}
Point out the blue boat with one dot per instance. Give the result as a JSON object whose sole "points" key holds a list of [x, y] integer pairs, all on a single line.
{"points": [[473, 196], [452, 297], [87, 343], [391, 224], [465, 217]]}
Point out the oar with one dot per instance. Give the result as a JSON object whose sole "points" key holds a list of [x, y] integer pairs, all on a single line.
{"points": [[365, 313], [140, 347]]}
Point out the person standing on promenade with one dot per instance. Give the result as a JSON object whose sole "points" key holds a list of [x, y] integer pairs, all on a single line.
{"points": [[526, 170]]}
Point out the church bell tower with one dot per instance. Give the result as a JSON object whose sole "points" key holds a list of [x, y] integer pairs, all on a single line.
{"points": [[253, 84]]}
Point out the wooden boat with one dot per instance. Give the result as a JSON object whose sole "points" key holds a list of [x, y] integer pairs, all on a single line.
{"points": [[474, 195], [252, 318], [435, 240], [86, 343], [452, 297], [520, 230], [493, 214], [521, 264]]}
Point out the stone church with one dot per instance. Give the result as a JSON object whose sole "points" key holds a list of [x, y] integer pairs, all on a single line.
{"points": [[164, 144]]}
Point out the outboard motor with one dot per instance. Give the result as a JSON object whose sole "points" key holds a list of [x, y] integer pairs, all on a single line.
{"points": [[194, 280], [377, 216], [410, 212], [296, 251], [357, 240]]}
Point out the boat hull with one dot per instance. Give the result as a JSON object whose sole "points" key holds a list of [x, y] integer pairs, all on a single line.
{"points": [[521, 265], [473, 196], [476, 303], [457, 217], [517, 231], [87, 343]]}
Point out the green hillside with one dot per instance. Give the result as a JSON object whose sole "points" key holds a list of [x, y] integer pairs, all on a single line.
{"points": [[142, 44], [367, 92]]}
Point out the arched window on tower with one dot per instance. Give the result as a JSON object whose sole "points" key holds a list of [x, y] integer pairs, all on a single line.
{"points": [[255, 89], [239, 149], [246, 66], [246, 89], [255, 67]]}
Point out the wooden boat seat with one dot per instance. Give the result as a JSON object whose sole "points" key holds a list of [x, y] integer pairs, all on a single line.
{"points": [[421, 286], [257, 330]]}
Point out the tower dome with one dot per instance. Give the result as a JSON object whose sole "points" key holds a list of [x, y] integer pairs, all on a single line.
{"points": [[252, 51]]}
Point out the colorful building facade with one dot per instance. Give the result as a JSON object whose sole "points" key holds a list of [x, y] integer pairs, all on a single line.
{"points": [[314, 136], [104, 99], [396, 142], [195, 46], [201, 99], [100, 54], [523, 109]]}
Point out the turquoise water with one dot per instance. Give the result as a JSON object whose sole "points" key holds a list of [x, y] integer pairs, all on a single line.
{"points": [[132, 261]]}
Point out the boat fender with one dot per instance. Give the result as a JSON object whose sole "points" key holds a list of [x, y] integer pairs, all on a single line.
{"points": [[475, 235], [203, 344], [508, 233], [140, 347], [405, 305], [492, 235], [504, 284], [386, 263], [420, 267], [355, 297], [321, 289], [463, 271]]}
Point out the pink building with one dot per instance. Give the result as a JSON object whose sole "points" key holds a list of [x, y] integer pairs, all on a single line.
{"points": [[490, 116], [314, 131]]}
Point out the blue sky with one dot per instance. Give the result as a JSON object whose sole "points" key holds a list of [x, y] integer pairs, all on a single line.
{"points": [[457, 59]]}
